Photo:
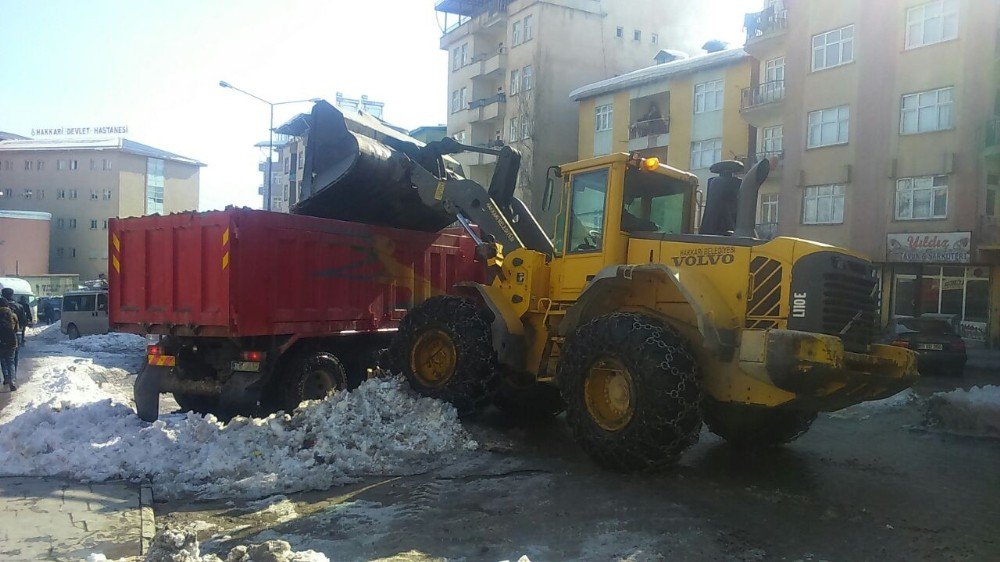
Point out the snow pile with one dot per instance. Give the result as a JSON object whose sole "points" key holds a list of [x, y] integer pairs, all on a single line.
{"points": [[171, 545], [865, 410], [113, 342], [376, 429], [976, 410]]}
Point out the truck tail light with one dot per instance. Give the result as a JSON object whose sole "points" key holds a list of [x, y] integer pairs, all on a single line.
{"points": [[154, 349], [252, 355], [900, 343]]}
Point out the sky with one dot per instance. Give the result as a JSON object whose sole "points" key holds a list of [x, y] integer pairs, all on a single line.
{"points": [[156, 67]]}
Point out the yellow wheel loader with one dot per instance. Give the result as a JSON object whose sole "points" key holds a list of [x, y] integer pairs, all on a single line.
{"points": [[640, 327]]}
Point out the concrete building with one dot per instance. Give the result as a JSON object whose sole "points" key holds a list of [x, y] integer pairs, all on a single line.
{"points": [[685, 111], [83, 182], [24, 243], [429, 133], [513, 63], [882, 119]]}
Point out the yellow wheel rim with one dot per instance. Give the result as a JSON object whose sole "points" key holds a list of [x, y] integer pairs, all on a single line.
{"points": [[433, 358], [609, 394]]}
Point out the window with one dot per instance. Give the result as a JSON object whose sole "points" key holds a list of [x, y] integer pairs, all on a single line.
{"points": [[460, 56], [515, 129], [93, 224], [60, 252], [60, 194], [27, 165], [40, 194], [708, 96], [60, 223], [73, 164], [589, 191], [515, 82], [833, 48], [516, 34], [991, 201], [72, 252], [93, 164], [705, 153], [529, 32], [603, 117], [455, 105], [922, 198], [71, 223], [637, 35], [931, 23], [8, 193], [60, 164], [774, 70], [94, 195], [6, 164], [106, 194], [40, 165], [620, 32], [828, 126], [771, 141], [525, 127], [654, 38], [768, 209], [924, 112], [72, 193], [528, 78], [26, 193], [823, 204], [106, 165], [302, 159], [459, 136], [154, 186], [462, 99], [104, 225], [287, 164]]}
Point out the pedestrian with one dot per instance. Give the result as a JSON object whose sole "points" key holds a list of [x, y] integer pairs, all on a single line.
{"points": [[8, 344], [23, 314]]}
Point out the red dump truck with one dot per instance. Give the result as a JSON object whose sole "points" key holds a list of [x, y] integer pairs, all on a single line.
{"points": [[256, 311]]}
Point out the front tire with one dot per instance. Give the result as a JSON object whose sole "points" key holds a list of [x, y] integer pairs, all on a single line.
{"points": [[443, 348], [312, 376], [73, 332], [632, 391], [755, 427]]}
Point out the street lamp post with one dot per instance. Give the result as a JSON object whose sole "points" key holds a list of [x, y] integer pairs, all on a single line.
{"points": [[270, 131]]}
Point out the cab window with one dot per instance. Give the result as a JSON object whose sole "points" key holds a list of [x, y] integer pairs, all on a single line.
{"points": [[79, 303], [586, 221], [654, 203]]}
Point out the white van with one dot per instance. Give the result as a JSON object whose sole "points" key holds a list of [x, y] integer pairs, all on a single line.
{"points": [[84, 313], [22, 293]]}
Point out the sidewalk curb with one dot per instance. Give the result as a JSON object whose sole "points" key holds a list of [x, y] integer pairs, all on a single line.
{"points": [[147, 519]]}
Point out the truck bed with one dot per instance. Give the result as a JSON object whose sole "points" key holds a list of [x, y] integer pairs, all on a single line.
{"points": [[242, 272]]}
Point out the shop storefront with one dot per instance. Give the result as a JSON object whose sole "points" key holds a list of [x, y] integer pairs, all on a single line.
{"points": [[932, 273]]}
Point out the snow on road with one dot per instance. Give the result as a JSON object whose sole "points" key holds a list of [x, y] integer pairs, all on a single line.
{"points": [[74, 419], [974, 411]]}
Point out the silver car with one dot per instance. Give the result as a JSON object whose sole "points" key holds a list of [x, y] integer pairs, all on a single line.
{"points": [[84, 313]]}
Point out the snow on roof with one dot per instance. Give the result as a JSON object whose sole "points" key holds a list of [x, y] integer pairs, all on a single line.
{"points": [[28, 215], [4, 135], [658, 72], [124, 145]]}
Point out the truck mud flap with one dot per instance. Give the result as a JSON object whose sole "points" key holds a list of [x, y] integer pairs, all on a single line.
{"points": [[241, 394], [146, 392]]}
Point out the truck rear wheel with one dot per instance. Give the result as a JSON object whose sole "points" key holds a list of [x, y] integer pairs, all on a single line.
{"points": [[755, 427], [443, 349], [527, 400], [632, 392], [310, 376], [196, 403]]}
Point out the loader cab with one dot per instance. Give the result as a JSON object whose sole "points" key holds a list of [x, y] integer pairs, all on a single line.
{"points": [[608, 200]]}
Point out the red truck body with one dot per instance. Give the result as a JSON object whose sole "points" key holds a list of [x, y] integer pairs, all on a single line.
{"points": [[241, 273]]}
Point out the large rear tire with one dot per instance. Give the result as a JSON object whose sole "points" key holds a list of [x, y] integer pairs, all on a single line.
{"points": [[310, 376], [755, 427], [632, 391], [443, 349]]}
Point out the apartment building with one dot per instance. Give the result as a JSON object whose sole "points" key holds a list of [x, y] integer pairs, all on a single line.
{"points": [[881, 121], [513, 63], [84, 182], [685, 111]]}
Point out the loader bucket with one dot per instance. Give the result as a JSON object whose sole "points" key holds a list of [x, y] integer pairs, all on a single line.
{"points": [[357, 169]]}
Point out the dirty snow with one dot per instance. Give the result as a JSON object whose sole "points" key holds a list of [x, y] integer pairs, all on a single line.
{"points": [[974, 411], [66, 422], [866, 410], [173, 545]]}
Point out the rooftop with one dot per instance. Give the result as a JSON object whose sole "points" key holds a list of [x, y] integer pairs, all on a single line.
{"points": [[124, 145], [4, 135], [659, 72]]}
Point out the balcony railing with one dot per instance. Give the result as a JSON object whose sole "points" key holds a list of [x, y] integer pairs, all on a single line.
{"points": [[762, 94], [466, 10], [775, 157], [765, 22], [649, 127], [993, 132], [483, 102], [766, 230]]}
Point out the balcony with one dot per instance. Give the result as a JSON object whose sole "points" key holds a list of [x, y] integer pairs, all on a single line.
{"points": [[485, 110], [649, 133], [766, 230], [488, 65], [762, 103], [482, 14], [767, 24]]}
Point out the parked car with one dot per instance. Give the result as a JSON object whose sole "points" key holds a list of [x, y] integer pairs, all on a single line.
{"points": [[84, 313], [937, 343], [22, 293], [49, 309]]}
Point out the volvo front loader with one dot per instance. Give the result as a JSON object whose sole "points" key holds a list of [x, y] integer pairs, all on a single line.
{"points": [[637, 326]]}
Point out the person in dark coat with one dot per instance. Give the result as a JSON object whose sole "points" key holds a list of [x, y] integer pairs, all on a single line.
{"points": [[8, 343]]}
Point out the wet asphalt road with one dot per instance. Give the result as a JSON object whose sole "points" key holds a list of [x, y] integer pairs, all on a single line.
{"points": [[879, 487]]}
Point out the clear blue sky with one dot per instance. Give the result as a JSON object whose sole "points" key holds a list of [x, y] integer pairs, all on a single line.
{"points": [[155, 66]]}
